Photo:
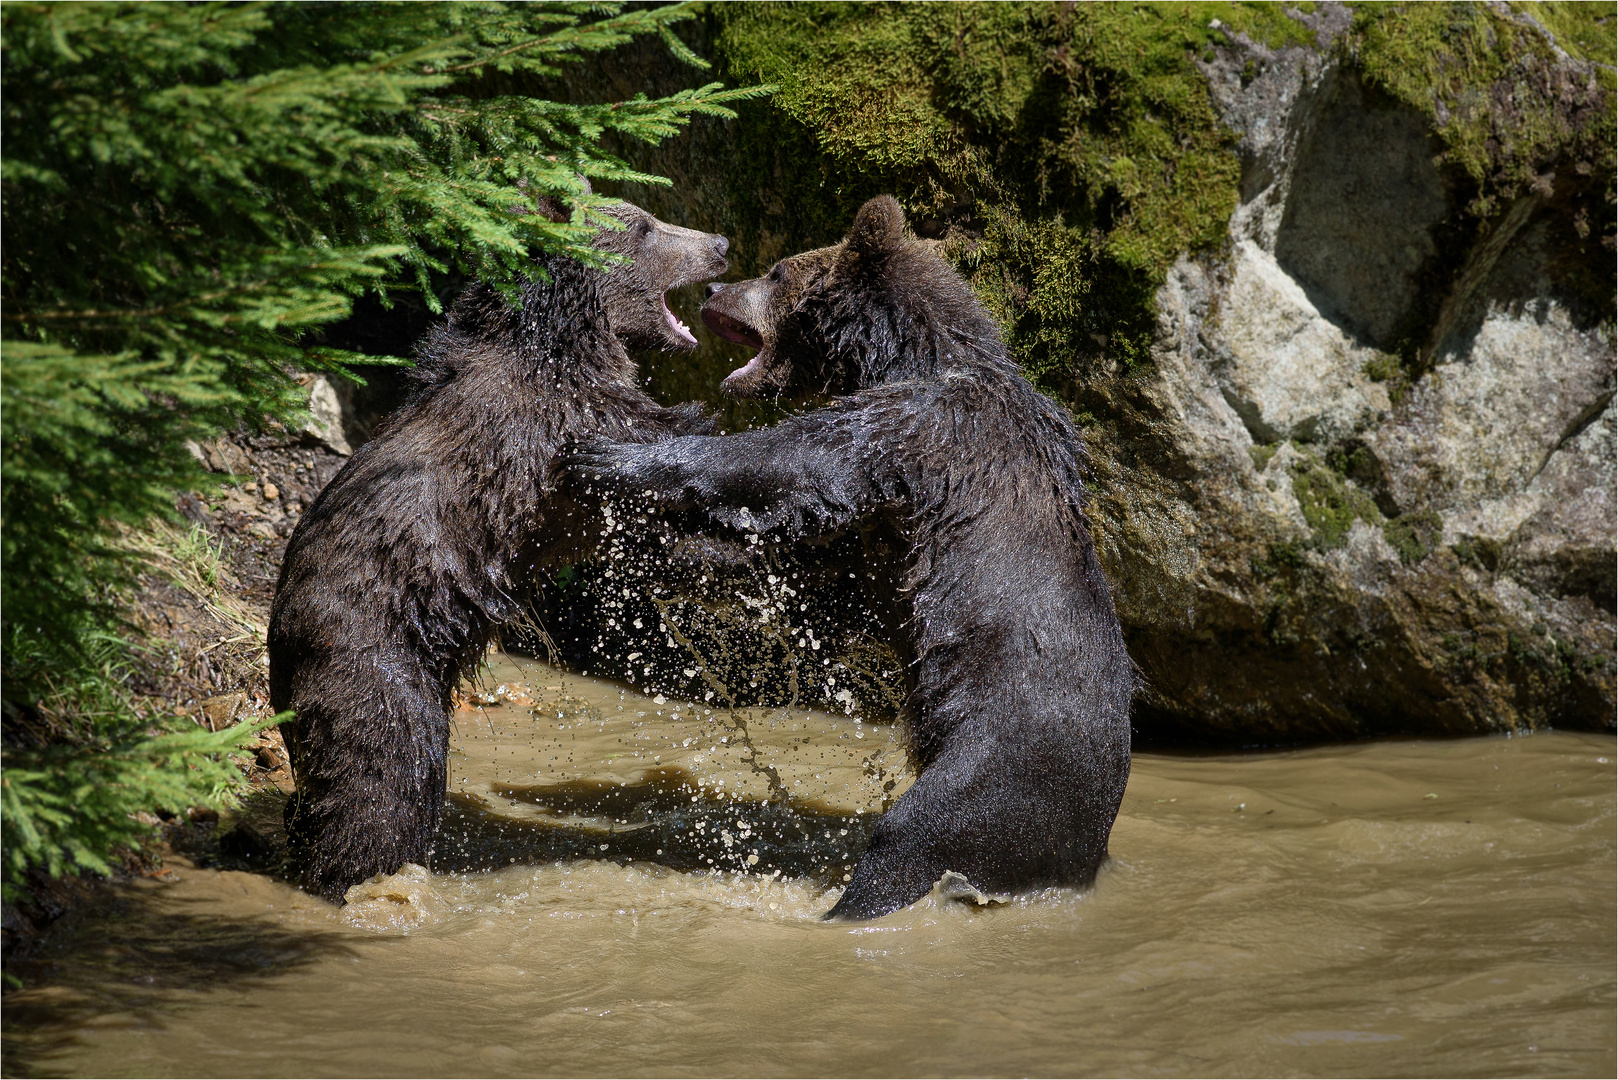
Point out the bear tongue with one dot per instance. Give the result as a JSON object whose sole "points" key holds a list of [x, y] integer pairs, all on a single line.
{"points": [[731, 329], [681, 331]]}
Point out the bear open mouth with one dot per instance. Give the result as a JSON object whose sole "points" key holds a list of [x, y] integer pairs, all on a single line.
{"points": [[732, 329], [681, 331]]}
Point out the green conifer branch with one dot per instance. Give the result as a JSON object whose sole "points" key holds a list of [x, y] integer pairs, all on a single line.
{"points": [[187, 191]]}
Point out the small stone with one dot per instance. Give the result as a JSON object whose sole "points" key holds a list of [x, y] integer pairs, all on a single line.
{"points": [[282, 779], [326, 416], [222, 710], [271, 492]]}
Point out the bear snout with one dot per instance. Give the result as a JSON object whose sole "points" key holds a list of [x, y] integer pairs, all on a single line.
{"points": [[715, 286], [721, 245]]}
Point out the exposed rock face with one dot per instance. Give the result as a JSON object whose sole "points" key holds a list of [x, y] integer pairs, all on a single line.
{"points": [[326, 416], [1366, 483], [1313, 555]]}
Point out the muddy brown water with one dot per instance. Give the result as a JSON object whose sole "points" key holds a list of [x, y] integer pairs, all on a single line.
{"points": [[632, 886]]}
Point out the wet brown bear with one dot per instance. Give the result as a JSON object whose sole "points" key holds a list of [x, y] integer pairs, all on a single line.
{"points": [[1018, 707], [399, 572]]}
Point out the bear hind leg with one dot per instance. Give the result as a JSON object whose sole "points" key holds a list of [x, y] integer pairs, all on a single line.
{"points": [[371, 769], [984, 814]]}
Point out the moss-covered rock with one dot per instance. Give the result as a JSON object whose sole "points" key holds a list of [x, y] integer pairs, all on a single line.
{"points": [[1330, 502], [1331, 289], [1066, 155]]}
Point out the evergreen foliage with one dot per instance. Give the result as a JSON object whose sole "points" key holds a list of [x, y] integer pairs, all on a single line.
{"points": [[69, 803], [188, 191]]}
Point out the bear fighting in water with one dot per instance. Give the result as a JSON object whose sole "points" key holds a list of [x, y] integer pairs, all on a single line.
{"points": [[396, 577], [1019, 684]]}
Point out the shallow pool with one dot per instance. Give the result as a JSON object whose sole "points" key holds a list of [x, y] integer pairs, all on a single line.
{"points": [[1397, 907]]}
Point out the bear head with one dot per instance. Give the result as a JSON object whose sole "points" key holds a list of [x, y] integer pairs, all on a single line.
{"points": [[868, 310], [661, 257]]}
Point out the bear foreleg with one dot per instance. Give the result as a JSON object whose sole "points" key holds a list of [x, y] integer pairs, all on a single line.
{"points": [[802, 478]]}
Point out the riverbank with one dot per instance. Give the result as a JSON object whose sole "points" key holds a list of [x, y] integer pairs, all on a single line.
{"points": [[201, 607]]}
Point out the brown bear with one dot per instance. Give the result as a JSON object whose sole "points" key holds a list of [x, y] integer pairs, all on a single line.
{"points": [[1019, 683], [397, 575]]}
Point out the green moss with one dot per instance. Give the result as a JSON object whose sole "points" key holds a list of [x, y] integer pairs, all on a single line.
{"points": [[1067, 155], [1590, 663], [1329, 502], [1586, 28], [1269, 23], [1492, 85], [1414, 535], [1390, 369], [1279, 557], [1478, 553], [1382, 367], [1464, 653], [1261, 455], [1517, 119], [853, 74], [1522, 650], [1063, 303]]}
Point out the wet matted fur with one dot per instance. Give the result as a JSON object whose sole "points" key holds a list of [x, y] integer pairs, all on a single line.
{"points": [[1020, 685], [397, 575]]}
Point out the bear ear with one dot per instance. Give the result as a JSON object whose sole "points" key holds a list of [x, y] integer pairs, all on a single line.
{"points": [[557, 208], [553, 208], [878, 228]]}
